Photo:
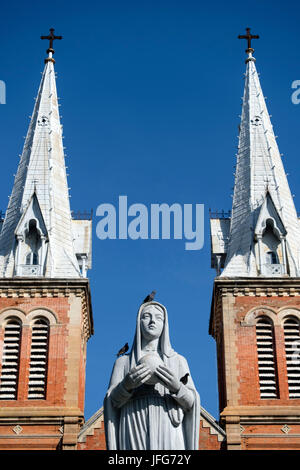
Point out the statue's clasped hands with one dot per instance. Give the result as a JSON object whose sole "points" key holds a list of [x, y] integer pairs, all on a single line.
{"points": [[141, 373], [136, 377], [168, 379]]}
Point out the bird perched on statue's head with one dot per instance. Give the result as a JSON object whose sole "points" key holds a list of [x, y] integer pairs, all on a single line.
{"points": [[149, 297]]}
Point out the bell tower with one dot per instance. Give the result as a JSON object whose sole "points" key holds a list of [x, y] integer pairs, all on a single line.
{"points": [[45, 301], [255, 315]]}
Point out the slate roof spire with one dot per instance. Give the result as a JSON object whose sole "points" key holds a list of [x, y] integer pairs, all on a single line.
{"points": [[264, 225], [36, 236]]}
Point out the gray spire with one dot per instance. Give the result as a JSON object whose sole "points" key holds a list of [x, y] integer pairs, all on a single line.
{"points": [[264, 234], [37, 235]]}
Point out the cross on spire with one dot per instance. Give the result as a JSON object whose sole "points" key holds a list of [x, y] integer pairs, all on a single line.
{"points": [[249, 37], [50, 38]]}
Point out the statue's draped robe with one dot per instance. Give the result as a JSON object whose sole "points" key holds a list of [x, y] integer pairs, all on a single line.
{"points": [[150, 417]]}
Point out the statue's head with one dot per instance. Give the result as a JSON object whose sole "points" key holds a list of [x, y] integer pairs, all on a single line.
{"points": [[152, 320], [151, 323]]}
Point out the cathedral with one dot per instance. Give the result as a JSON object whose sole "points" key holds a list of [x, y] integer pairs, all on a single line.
{"points": [[45, 299]]}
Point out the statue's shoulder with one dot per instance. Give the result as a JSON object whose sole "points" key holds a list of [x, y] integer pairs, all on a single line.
{"points": [[122, 361], [180, 357], [182, 360]]}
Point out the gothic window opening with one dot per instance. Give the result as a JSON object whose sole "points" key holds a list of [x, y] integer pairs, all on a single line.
{"points": [[10, 360], [33, 242], [271, 243], [271, 257], [31, 252], [37, 386], [32, 258], [266, 359], [292, 353]]}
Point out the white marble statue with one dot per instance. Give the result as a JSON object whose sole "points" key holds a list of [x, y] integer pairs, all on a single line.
{"points": [[147, 407]]}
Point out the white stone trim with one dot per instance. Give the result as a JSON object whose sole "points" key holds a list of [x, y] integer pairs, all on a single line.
{"points": [[41, 313], [10, 313], [255, 313]]}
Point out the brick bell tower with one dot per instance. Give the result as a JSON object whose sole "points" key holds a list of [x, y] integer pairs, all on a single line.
{"points": [[45, 303], [255, 315]]}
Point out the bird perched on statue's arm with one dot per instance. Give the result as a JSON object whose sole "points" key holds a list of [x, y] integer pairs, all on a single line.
{"points": [[184, 379], [123, 350]]}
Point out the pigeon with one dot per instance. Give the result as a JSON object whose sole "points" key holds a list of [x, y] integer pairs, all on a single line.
{"points": [[184, 379], [149, 297], [123, 350]]}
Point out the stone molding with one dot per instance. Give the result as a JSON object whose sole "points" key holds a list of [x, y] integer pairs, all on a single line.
{"points": [[208, 421], [252, 287], [95, 422], [277, 316], [50, 288]]}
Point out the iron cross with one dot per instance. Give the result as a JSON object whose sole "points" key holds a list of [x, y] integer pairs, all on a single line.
{"points": [[51, 38], [248, 36]]}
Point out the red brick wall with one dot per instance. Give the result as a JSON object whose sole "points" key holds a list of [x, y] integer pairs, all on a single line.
{"points": [[56, 356], [32, 437], [247, 352], [53, 409], [273, 437], [94, 442], [207, 441]]}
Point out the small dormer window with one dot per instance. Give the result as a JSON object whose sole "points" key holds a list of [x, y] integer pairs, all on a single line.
{"points": [[271, 257], [31, 253], [31, 241], [32, 258]]}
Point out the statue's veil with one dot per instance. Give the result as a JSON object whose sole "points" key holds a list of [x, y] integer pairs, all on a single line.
{"points": [[165, 347]]}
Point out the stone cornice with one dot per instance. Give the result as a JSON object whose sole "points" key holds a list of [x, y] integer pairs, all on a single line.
{"points": [[252, 287], [261, 411], [36, 412], [24, 287]]}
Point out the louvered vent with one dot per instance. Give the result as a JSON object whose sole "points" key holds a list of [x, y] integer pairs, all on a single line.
{"points": [[38, 361], [266, 361], [10, 361], [292, 352]]}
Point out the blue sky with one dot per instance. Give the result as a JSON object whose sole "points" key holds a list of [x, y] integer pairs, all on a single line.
{"points": [[150, 97]]}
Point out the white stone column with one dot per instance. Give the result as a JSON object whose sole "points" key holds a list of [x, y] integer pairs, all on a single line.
{"points": [[20, 240], [83, 266], [259, 240], [283, 249], [42, 260]]}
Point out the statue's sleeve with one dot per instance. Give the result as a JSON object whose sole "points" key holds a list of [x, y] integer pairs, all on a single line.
{"points": [[184, 397], [118, 393]]}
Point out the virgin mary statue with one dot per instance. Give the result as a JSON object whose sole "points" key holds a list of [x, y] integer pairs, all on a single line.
{"points": [[151, 402]]}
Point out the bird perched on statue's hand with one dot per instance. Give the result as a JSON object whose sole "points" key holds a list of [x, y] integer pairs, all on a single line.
{"points": [[184, 379], [149, 297], [123, 350]]}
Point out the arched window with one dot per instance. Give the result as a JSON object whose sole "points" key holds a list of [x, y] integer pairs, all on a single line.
{"points": [[10, 360], [292, 353], [271, 257], [33, 242], [38, 360], [32, 258], [266, 359]]}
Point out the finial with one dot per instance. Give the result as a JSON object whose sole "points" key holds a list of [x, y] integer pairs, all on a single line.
{"points": [[50, 50], [249, 37]]}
